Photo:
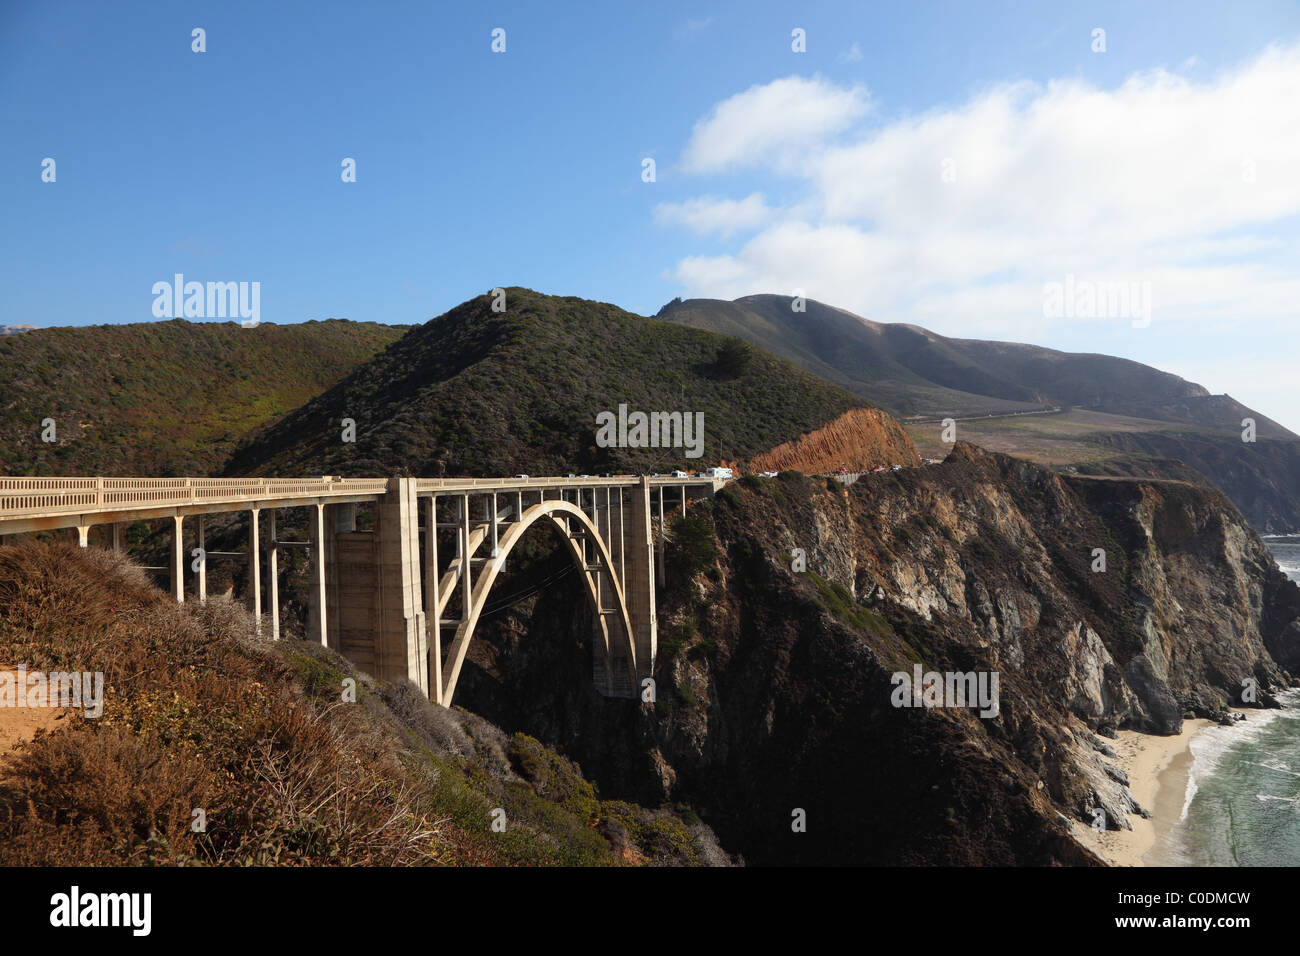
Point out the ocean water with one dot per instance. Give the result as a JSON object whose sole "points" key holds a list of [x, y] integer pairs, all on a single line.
{"points": [[1286, 552], [1242, 806]]}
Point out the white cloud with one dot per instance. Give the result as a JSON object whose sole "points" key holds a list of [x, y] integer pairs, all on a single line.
{"points": [[1185, 184], [706, 214], [779, 122]]}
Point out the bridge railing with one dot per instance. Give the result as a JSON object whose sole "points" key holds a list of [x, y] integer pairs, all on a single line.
{"points": [[427, 485], [27, 496]]}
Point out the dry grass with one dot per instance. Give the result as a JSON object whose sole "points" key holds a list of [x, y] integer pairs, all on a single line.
{"points": [[198, 716]]}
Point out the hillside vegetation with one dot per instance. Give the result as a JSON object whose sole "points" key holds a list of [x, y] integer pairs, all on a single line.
{"points": [[200, 715], [162, 398], [478, 392]]}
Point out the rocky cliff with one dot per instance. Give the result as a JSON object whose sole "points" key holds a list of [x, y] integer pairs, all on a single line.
{"points": [[858, 440], [776, 698]]}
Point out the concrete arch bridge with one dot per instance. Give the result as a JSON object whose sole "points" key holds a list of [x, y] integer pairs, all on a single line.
{"points": [[401, 600]]}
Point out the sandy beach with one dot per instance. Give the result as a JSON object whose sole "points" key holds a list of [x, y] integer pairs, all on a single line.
{"points": [[1157, 769]]}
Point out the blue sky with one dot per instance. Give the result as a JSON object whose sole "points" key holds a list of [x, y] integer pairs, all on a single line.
{"points": [[776, 171]]}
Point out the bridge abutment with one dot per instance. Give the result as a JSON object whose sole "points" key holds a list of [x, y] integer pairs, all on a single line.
{"points": [[401, 649]]}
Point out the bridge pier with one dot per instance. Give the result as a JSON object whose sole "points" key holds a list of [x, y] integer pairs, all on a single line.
{"points": [[401, 647], [117, 537], [273, 570], [639, 582], [433, 612], [178, 559], [255, 568], [203, 563]]}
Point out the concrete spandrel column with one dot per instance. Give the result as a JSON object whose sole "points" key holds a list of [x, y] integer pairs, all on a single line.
{"points": [[663, 534], [202, 557], [255, 568], [83, 535], [465, 562], [178, 558], [273, 570], [432, 586], [117, 537]]}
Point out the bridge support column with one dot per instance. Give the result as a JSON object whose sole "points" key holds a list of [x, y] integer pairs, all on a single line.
{"points": [[178, 558], [317, 623], [639, 582], [401, 643], [432, 585], [117, 537], [663, 534], [273, 570], [203, 563], [83, 535], [255, 568]]}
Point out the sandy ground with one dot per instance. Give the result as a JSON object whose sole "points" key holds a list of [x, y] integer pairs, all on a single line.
{"points": [[1157, 769], [21, 723]]}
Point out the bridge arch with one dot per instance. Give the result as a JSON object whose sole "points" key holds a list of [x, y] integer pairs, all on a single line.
{"points": [[615, 636]]}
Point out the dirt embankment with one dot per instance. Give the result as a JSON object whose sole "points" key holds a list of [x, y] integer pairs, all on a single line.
{"points": [[21, 723], [858, 440]]}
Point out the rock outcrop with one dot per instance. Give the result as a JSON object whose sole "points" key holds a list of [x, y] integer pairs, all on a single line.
{"points": [[858, 440]]}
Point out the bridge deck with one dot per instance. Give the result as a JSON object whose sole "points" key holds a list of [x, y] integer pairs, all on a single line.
{"points": [[42, 504]]}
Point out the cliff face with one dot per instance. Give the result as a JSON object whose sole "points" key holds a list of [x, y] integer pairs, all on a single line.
{"points": [[858, 440], [774, 683], [1262, 477]]}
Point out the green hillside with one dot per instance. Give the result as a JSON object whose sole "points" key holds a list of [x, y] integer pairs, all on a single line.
{"points": [[163, 398], [477, 392]]}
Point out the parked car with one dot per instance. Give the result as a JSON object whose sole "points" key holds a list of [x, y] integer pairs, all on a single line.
{"points": [[680, 474], [522, 476]]}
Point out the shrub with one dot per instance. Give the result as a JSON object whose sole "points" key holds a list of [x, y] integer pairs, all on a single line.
{"points": [[691, 546]]}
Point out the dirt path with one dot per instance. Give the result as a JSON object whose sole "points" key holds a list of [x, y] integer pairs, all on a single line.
{"points": [[21, 723]]}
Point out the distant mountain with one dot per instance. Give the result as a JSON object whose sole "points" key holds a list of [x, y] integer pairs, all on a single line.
{"points": [[915, 373], [162, 398], [1097, 412], [16, 329], [480, 392]]}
